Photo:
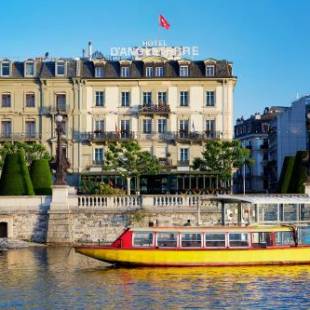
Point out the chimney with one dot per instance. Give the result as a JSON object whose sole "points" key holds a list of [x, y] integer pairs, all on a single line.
{"points": [[90, 47]]}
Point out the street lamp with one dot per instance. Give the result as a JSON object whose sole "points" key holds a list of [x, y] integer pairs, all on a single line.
{"points": [[60, 160]]}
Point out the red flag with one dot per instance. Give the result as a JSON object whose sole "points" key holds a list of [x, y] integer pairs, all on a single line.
{"points": [[163, 22]]}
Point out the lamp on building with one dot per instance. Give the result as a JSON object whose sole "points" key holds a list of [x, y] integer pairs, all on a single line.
{"points": [[60, 160]]}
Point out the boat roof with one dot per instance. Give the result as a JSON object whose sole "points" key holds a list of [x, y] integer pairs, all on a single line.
{"points": [[213, 229]]}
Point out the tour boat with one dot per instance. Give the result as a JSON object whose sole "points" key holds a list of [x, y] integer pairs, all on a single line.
{"points": [[206, 246]]}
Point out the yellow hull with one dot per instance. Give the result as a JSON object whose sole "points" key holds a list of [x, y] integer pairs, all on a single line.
{"points": [[225, 257]]}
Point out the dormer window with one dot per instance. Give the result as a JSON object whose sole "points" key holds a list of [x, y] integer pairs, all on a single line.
{"points": [[29, 68], [99, 72], [5, 68], [125, 71], [183, 70], [149, 71], [60, 68], [159, 71], [210, 70]]}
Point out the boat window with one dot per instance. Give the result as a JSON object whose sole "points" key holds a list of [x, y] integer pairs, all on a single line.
{"points": [[167, 240], [143, 239], [285, 238], [238, 240], [261, 239], [191, 240], [304, 235], [215, 240]]}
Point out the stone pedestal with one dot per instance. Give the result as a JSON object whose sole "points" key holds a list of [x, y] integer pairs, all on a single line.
{"points": [[307, 188], [59, 222]]}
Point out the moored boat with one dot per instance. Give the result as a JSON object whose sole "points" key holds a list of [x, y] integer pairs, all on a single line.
{"points": [[205, 246]]}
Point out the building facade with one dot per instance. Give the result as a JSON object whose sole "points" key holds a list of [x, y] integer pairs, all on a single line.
{"points": [[171, 107]]}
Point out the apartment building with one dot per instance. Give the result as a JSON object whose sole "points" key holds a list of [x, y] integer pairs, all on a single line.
{"points": [[171, 107]]}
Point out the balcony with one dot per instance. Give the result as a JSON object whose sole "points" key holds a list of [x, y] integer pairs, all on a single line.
{"points": [[52, 110], [161, 109], [98, 162], [24, 136], [183, 163], [104, 136], [190, 136]]}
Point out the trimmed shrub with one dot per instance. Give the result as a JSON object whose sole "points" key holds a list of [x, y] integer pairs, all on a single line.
{"points": [[41, 177], [15, 179], [299, 175], [286, 174]]}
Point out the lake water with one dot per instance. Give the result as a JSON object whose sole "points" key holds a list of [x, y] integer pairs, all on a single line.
{"points": [[57, 278]]}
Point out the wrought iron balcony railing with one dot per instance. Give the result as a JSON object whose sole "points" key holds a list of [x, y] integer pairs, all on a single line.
{"points": [[22, 136], [154, 109], [183, 163]]}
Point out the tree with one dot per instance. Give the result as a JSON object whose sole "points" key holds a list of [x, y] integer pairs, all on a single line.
{"points": [[299, 175], [128, 160], [286, 174], [32, 151], [41, 177], [221, 157], [15, 178]]}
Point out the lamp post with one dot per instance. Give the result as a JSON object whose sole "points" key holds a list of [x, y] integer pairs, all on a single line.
{"points": [[60, 160]]}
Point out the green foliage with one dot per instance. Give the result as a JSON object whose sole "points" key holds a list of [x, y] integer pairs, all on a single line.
{"points": [[107, 190], [41, 177], [15, 178], [286, 174], [299, 175], [127, 159], [32, 151], [221, 157], [96, 188]]}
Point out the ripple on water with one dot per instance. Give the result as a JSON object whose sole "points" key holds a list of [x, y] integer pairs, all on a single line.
{"points": [[58, 278]]}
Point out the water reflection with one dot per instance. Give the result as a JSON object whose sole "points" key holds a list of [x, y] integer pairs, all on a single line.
{"points": [[59, 278]]}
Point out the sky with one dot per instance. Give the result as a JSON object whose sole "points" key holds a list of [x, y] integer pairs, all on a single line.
{"points": [[267, 40]]}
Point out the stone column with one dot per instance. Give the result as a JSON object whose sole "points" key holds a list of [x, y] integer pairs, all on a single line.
{"points": [[59, 222]]}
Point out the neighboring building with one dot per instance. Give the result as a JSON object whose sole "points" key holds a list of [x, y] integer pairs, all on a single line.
{"points": [[289, 134], [253, 134], [171, 107]]}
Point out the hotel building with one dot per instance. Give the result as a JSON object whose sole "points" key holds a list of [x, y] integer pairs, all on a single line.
{"points": [[170, 106]]}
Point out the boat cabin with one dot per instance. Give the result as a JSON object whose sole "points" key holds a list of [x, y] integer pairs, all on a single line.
{"points": [[213, 237]]}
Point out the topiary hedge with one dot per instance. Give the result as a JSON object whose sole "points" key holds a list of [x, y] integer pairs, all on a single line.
{"points": [[41, 177], [286, 174], [15, 179], [299, 175]]}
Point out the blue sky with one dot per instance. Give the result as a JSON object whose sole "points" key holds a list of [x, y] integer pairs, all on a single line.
{"points": [[267, 40]]}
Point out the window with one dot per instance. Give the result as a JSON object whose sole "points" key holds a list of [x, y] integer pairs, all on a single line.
{"points": [[143, 239], [147, 99], [147, 126], [210, 70], [215, 240], [99, 98], [162, 125], [167, 240], [125, 98], [184, 98], [261, 239], [61, 102], [5, 68], [124, 71], [162, 97], [125, 128], [6, 129], [210, 128], [60, 68], [191, 240], [184, 126], [99, 126], [184, 154], [30, 129], [149, 71], [98, 155], [159, 71], [99, 72], [210, 98], [285, 238], [30, 100], [6, 100], [238, 240], [183, 71], [29, 68]]}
